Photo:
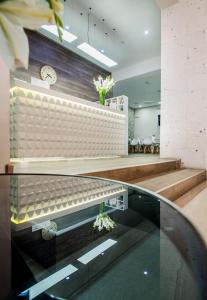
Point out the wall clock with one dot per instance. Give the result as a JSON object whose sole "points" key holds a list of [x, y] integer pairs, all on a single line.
{"points": [[48, 233], [47, 73]]}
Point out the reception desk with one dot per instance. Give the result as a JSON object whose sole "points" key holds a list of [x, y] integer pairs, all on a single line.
{"points": [[49, 124]]}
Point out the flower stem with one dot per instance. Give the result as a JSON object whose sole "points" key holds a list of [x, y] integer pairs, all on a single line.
{"points": [[102, 98], [102, 208]]}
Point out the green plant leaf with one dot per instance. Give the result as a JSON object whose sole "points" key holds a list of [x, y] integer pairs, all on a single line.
{"points": [[58, 22]]}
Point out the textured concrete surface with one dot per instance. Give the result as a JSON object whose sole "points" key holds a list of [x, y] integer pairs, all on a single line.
{"points": [[184, 88]]}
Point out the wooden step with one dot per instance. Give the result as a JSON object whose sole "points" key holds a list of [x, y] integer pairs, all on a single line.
{"points": [[189, 196], [138, 180], [174, 184], [195, 210], [131, 173]]}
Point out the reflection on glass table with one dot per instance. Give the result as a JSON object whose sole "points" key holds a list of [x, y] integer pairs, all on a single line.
{"points": [[150, 253]]}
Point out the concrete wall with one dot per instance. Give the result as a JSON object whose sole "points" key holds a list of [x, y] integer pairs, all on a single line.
{"points": [[184, 82], [4, 116], [131, 120], [146, 122]]}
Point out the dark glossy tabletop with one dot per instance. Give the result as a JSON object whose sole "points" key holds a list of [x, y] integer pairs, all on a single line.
{"points": [[66, 237]]}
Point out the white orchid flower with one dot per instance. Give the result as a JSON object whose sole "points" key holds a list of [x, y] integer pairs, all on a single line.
{"points": [[103, 221], [14, 16], [104, 85]]}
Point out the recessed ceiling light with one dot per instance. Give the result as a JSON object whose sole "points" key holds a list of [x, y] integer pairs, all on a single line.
{"points": [[67, 36], [146, 32], [102, 50], [67, 27], [88, 49]]}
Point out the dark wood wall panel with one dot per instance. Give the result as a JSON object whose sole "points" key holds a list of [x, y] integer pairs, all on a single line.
{"points": [[75, 73]]}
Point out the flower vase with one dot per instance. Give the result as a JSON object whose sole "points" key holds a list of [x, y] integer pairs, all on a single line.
{"points": [[102, 99]]}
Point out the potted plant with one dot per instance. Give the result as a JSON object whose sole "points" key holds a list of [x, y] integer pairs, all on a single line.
{"points": [[103, 86]]}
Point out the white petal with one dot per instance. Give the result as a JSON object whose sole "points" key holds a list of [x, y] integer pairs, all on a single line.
{"points": [[17, 41], [28, 16], [5, 52]]}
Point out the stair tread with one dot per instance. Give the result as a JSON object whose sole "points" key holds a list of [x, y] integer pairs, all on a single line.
{"points": [[195, 210], [189, 196], [145, 178], [158, 183]]}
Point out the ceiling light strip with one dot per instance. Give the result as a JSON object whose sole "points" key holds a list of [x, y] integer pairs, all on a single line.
{"points": [[86, 258], [88, 49], [67, 36], [49, 281]]}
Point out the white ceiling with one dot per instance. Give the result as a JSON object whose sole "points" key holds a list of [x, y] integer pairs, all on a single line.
{"points": [[141, 90], [130, 18]]}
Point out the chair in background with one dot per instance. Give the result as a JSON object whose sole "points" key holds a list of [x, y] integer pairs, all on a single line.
{"points": [[155, 148], [132, 146], [140, 145], [147, 144]]}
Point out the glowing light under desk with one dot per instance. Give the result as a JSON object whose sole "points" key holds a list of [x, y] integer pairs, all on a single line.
{"points": [[59, 210], [75, 104]]}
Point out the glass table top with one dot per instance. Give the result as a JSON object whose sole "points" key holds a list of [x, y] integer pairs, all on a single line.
{"points": [[73, 237]]}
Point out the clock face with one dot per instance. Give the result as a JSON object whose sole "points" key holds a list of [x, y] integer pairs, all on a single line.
{"points": [[48, 74]]}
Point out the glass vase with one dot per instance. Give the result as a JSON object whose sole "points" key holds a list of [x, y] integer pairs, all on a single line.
{"points": [[102, 99]]}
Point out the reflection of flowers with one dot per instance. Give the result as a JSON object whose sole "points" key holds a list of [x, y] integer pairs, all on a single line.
{"points": [[18, 14], [103, 220], [103, 86]]}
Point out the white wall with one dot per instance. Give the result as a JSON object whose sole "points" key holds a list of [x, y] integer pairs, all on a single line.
{"points": [[146, 122], [4, 116], [184, 82]]}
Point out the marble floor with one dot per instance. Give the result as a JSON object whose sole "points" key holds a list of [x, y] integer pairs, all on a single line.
{"points": [[81, 166]]}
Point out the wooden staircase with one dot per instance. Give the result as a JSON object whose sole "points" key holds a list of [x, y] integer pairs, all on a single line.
{"points": [[186, 187], [173, 185]]}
